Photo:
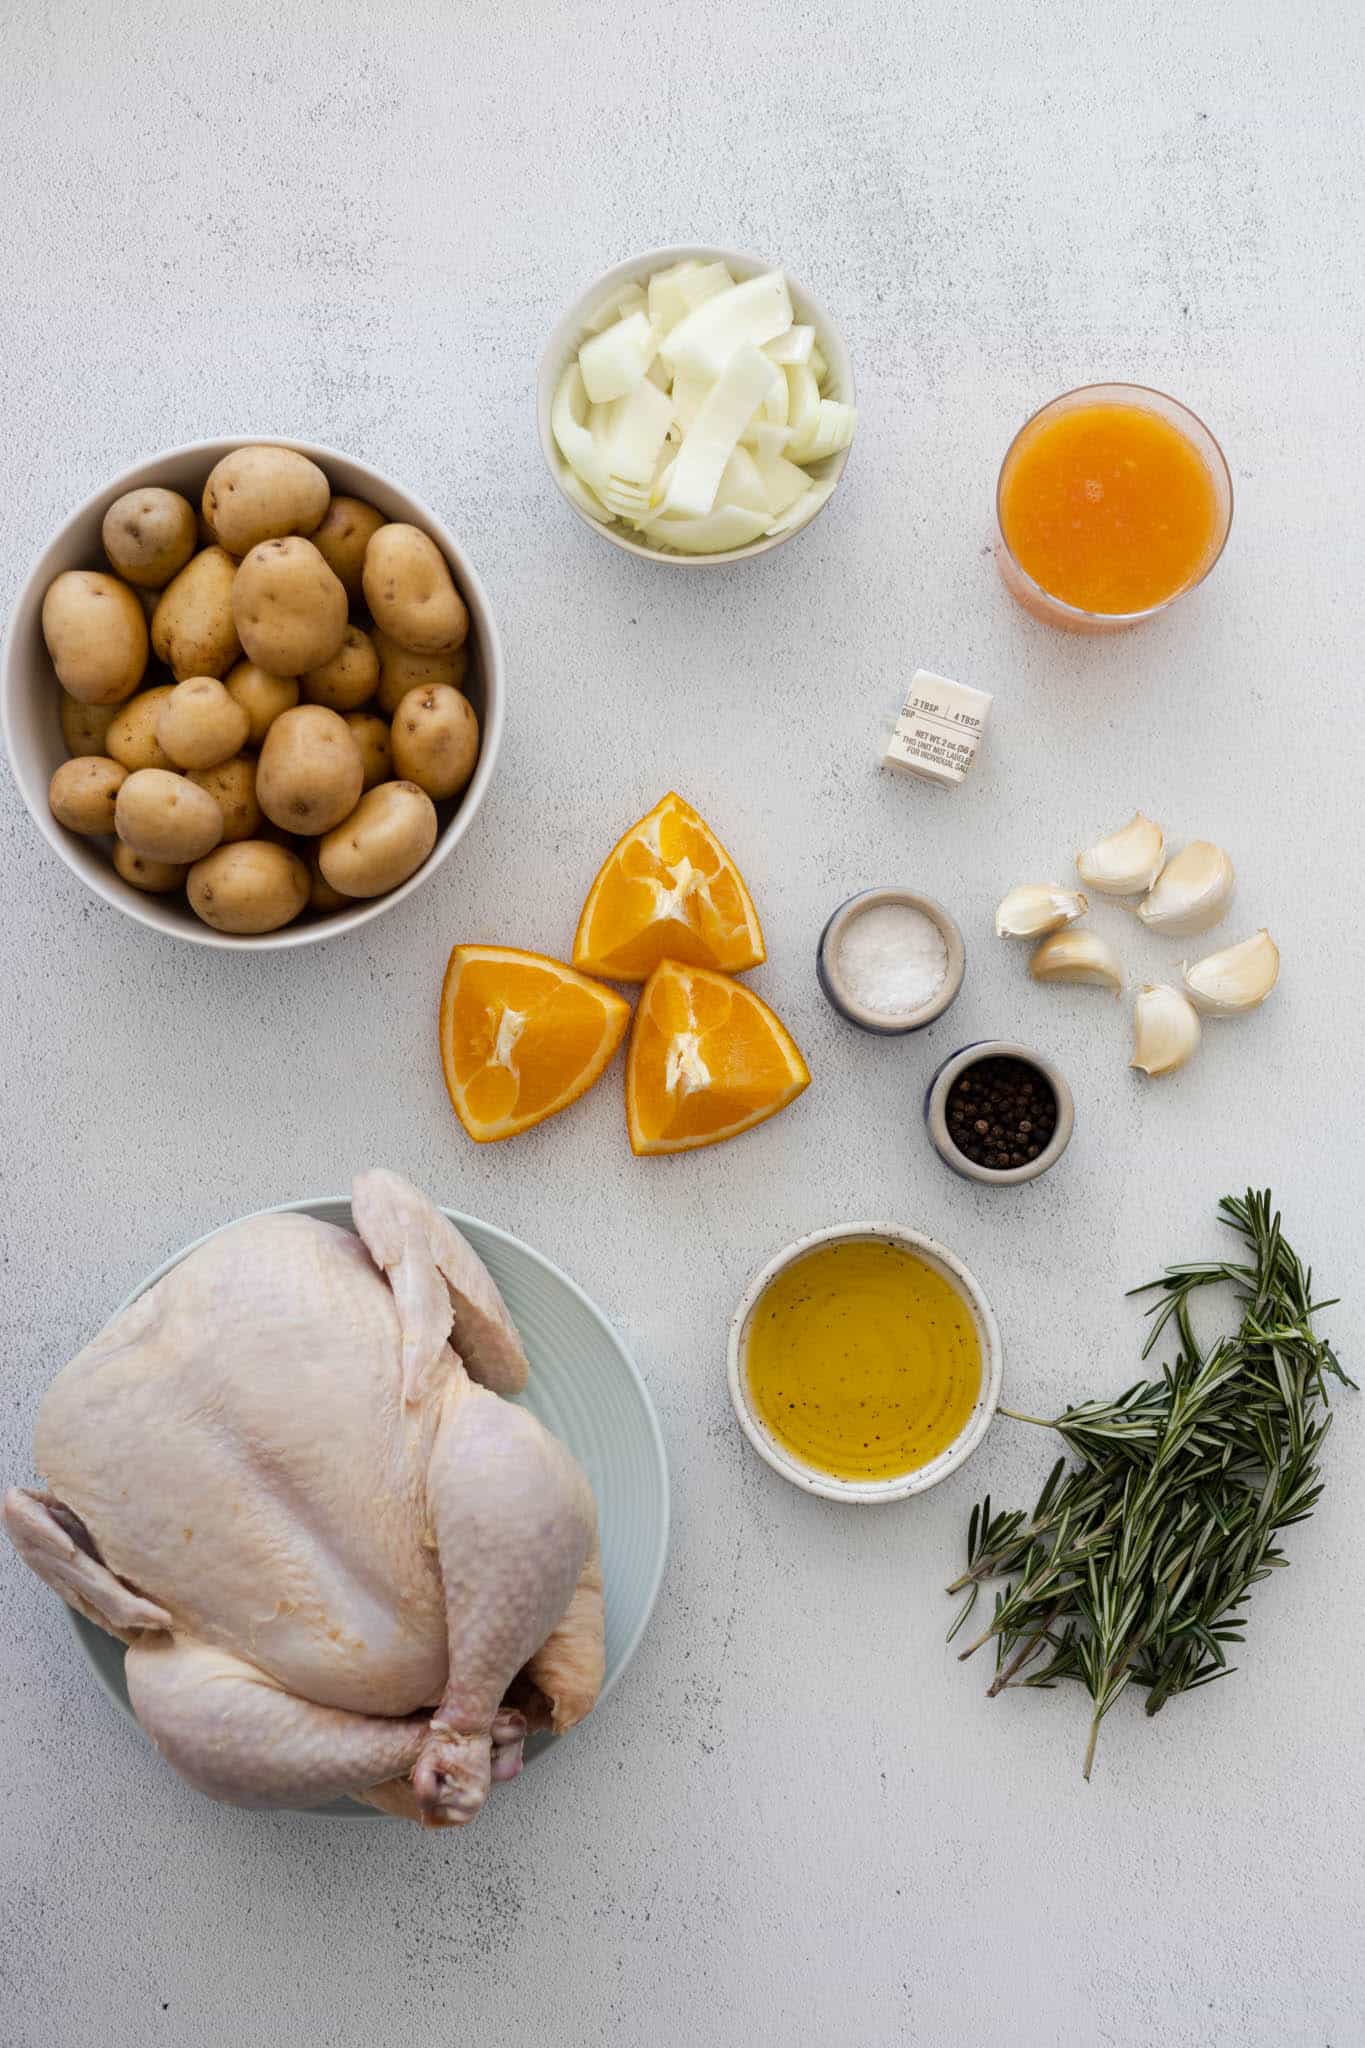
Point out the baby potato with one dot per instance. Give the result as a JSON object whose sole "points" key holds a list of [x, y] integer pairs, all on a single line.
{"points": [[411, 592], [321, 895], [157, 877], [166, 817], [371, 735], [84, 725], [250, 886], [82, 793], [310, 773], [96, 634], [262, 696], [131, 734], [435, 739], [400, 670], [342, 539], [149, 535], [232, 785], [192, 626], [386, 838], [349, 679], [262, 493], [199, 725], [289, 608]]}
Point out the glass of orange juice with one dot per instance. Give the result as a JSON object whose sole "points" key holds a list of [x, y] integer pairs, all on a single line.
{"points": [[1112, 502]]}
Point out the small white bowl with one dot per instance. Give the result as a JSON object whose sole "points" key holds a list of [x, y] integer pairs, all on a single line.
{"points": [[870, 1492], [889, 1023], [936, 1112], [569, 336], [30, 695]]}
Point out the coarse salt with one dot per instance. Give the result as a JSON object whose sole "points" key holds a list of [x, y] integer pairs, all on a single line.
{"points": [[892, 959]]}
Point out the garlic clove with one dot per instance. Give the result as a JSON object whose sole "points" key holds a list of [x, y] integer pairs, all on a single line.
{"points": [[1127, 862], [1166, 1030], [1236, 979], [1077, 956], [1191, 892], [1036, 908]]}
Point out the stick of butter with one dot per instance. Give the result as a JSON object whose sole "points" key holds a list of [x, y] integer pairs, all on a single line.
{"points": [[939, 729]]}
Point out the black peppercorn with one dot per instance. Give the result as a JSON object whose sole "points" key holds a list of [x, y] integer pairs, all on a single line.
{"points": [[1001, 1113]]}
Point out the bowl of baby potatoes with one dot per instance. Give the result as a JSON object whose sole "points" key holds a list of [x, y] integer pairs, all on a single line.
{"points": [[252, 693]]}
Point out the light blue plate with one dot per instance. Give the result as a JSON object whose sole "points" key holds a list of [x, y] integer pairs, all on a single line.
{"points": [[585, 1387]]}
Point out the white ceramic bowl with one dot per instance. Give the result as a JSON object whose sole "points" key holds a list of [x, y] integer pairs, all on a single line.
{"points": [[870, 1492], [30, 694], [568, 338]]}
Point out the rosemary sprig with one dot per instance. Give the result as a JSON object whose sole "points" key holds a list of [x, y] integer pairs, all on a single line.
{"points": [[1137, 1561]]}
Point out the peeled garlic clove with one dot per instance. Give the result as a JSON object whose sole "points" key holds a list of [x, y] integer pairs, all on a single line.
{"points": [[1166, 1030], [1077, 956], [1191, 893], [1127, 862], [1237, 979], [1038, 907]]}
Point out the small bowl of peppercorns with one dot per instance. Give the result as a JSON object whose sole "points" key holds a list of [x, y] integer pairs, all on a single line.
{"points": [[999, 1113]]}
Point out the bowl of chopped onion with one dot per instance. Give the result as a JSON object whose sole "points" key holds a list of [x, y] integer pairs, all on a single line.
{"points": [[696, 406]]}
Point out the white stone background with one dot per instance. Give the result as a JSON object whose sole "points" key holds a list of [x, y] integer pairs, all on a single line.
{"points": [[798, 1819]]}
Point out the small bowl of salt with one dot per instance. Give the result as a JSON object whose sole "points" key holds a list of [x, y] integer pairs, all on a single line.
{"points": [[890, 961]]}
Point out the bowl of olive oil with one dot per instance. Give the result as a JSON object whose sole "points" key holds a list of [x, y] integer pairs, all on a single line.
{"points": [[864, 1363]]}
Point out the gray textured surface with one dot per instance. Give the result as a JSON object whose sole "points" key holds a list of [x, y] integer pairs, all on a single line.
{"points": [[797, 1819]]}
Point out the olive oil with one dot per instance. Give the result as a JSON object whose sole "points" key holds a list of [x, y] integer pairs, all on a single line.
{"points": [[862, 1359]]}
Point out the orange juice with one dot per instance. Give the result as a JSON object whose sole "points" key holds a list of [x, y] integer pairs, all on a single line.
{"points": [[1109, 507]]}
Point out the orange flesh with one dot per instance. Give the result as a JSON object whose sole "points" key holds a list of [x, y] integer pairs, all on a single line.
{"points": [[522, 1037], [707, 1060], [1108, 507], [668, 890]]}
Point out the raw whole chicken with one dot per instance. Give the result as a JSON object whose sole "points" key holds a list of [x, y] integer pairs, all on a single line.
{"points": [[286, 1477]]}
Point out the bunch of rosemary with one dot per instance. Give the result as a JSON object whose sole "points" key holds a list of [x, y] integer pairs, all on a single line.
{"points": [[1136, 1563]]}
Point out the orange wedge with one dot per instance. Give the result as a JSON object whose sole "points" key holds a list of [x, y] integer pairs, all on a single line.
{"points": [[667, 890], [522, 1036], [707, 1060]]}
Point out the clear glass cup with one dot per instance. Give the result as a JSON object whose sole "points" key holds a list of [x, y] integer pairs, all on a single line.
{"points": [[1054, 611]]}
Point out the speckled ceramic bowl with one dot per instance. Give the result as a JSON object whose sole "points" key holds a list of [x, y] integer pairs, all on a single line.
{"points": [[572, 331], [584, 1387], [889, 1024], [869, 1492], [936, 1119], [30, 695]]}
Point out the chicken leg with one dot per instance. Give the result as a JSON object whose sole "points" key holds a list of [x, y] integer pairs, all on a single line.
{"points": [[515, 1525], [242, 1738], [567, 1668]]}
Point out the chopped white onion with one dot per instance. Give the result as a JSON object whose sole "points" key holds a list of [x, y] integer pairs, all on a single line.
{"points": [[792, 347], [782, 482], [640, 424], [742, 484], [688, 393], [729, 526], [629, 300], [614, 361], [803, 408], [831, 430], [587, 500], [750, 313], [710, 441], [692, 407], [569, 424], [806, 507], [665, 300]]}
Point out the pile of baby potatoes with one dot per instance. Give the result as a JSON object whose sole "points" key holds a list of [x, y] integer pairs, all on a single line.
{"points": [[309, 718]]}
